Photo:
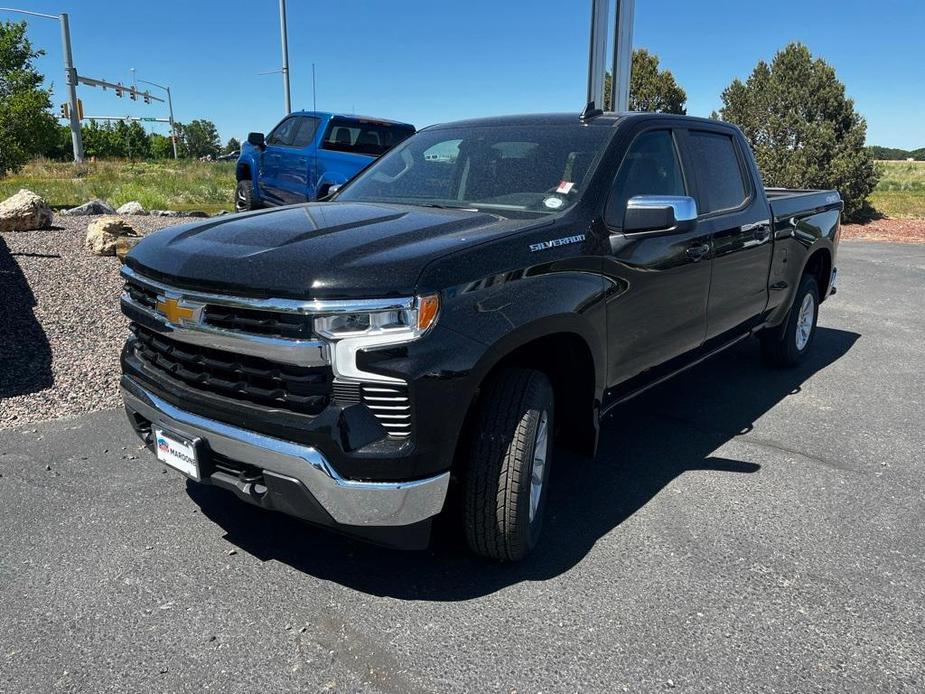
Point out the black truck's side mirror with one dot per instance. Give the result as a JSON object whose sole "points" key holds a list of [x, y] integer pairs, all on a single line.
{"points": [[660, 213], [257, 140]]}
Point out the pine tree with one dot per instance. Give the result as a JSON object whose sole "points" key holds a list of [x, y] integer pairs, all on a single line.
{"points": [[803, 129]]}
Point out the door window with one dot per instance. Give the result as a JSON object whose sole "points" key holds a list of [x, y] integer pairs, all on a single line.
{"points": [[651, 167], [284, 132], [306, 131], [721, 183]]}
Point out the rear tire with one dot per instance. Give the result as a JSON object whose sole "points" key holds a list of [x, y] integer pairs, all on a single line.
{"points": [[788, 347], [508, 465], [244, 196]]}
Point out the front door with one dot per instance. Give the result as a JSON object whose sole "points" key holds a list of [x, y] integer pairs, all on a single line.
{"points": [[661, 279], [271, 160]]}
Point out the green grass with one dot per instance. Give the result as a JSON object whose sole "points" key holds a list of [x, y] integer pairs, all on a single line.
{"points": [[901, 191], [157, 185]]}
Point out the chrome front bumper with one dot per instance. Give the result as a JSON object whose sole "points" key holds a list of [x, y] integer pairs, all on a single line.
{"points": [[349, 502]]}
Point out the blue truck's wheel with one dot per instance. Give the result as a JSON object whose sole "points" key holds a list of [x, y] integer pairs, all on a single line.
{"points": [[244, 196], [508, 465]]}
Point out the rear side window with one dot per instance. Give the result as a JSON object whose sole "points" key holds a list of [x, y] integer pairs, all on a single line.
{"points": [[359, 136], [306, 131], [651, 167], [284, 132], [722, 185]]}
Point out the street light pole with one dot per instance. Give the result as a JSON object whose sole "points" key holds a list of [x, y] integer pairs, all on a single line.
{"points": [[173, 132], [70, 76], [285, 44]]}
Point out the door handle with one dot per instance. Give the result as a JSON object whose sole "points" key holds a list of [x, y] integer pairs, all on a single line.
{"points": [[697, 252], [762, 234]]}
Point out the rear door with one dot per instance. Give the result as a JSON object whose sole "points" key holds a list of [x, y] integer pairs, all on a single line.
{"points": [[271, 160], [737, 218], [657, 308]]}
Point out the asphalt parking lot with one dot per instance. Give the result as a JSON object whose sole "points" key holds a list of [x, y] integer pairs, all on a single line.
{"points": [[742, 529]]}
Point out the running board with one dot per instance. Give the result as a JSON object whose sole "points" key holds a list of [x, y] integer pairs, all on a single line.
{"points": [[661, 379]]}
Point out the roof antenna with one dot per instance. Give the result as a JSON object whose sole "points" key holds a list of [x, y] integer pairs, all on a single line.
{"points": [[591, 111]]}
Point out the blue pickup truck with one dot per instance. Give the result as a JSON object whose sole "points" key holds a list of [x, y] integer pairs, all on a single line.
{"points": [[307, 153]]}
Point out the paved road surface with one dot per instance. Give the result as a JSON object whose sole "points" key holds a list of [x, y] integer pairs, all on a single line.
{"points": [[743, 529]]}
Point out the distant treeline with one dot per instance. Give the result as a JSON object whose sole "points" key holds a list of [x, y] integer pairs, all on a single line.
{"points": [[894, 154]]}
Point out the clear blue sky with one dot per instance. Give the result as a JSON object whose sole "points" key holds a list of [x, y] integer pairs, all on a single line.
{"points": [[428, 61]]}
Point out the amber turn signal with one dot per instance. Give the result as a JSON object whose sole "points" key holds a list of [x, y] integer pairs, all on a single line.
{"points": [[428, 307]]}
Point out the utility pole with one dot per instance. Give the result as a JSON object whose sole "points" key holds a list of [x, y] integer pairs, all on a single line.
{"points": [[70, 76], [173, 132], [622, 53], [285, 44]]}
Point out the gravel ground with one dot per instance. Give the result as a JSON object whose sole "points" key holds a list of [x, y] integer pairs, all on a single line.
{"points": [[60, 322]]}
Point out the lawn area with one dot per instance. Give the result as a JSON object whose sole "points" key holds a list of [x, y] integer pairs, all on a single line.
{"points": [[901, 191], [158, 185]]}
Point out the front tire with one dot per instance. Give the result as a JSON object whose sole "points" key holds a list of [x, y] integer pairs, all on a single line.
{"points": [[508, 465], [244, 196], [790, 346]]}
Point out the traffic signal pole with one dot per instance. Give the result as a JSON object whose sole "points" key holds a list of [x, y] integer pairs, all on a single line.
{"points": [[71, 79]]}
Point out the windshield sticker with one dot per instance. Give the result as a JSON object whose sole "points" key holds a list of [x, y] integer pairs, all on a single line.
{"points": [[565, 187], [553, 203], [543, 245]]}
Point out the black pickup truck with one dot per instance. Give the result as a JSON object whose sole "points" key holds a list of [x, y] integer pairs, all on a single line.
{"points": [[485, 290]]}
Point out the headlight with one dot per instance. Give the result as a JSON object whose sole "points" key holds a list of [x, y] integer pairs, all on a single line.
{"points": [[392, 325]]}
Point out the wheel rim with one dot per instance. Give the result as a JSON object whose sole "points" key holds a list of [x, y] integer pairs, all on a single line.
{"points": [[240, 202], [805, 321], [538, 471]]}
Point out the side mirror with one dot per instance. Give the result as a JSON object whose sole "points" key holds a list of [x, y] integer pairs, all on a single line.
{"points": [[257, 140], [660, 213], [326, 190]]}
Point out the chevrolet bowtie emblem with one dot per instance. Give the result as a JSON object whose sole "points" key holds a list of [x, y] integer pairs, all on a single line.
{"points": [[174, 312]]}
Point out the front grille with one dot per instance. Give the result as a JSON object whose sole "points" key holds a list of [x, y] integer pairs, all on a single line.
{"points": [[141, 295], [297, 388], [293, 326]]}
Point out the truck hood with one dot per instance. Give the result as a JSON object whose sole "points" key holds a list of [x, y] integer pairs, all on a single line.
{"points": [[315, 250]]}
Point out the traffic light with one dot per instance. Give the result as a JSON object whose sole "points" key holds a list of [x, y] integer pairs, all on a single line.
{"points": [[119, 90], [147, 98], [80, 109], [133, 95], [65, 111]]}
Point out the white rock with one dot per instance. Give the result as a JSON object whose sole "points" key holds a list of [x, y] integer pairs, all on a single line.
{"points": [[23, 212], [103, 234], [133, 207]]}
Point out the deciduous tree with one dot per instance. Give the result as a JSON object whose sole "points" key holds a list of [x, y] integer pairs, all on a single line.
{"points": [[27, 127]]}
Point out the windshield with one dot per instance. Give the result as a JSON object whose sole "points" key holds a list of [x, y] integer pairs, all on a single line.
{"points": [[503, 169]]}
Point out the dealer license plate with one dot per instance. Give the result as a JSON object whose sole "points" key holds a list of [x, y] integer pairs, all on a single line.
{"points": [[177, 452]]}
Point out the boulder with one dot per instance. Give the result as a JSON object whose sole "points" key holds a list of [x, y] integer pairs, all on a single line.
{"points": [[23, 212], [90, 208], [164, 213], [194, 213], [103, 234], [129, 208]]}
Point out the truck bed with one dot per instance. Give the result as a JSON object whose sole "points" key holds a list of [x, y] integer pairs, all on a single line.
{"points": [[793, 202]]}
